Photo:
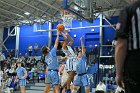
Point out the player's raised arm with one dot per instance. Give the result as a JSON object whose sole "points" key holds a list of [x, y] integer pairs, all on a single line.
{"points": [[57, 39], [82, 45], [70, 38], [65, 41]]}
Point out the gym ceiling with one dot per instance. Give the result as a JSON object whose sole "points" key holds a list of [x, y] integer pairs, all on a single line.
{"points": [[17, 12]]}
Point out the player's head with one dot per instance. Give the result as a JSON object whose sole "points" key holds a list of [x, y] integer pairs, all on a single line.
{"points": [[79, 54], [45, 50], [19, 64], [60, 44]]}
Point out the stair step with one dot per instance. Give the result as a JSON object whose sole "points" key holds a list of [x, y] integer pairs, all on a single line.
{"points": [[37, 88], [32, 91], [40, 84]]}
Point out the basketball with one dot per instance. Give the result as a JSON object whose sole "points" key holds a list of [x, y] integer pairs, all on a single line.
{"points": [[60, 27]]}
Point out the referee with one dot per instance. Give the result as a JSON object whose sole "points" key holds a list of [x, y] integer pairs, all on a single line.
{"points": [[127, 50]]}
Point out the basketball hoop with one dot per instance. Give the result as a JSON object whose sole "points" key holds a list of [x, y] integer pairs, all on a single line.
{"points": [[67, 18]]}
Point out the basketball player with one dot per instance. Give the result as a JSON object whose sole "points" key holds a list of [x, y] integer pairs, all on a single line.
{"points": [[21, 76], [71, 63], [52, 76], [81, 77]]}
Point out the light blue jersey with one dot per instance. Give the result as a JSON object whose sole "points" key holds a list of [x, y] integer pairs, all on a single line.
{"points": [[81, 65], [52, 76], [51, 59], [20, 72], [81, 77]]}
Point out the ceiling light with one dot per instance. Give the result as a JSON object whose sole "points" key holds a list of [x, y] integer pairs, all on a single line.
{"points": [[27, 13]]}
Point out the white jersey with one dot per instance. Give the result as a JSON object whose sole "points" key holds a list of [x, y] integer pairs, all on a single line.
{"points": [[72, 59]]}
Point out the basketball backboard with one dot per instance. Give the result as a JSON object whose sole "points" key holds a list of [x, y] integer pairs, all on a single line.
{"points": [[81, 8]]}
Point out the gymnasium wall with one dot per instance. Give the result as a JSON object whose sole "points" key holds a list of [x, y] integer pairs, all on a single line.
{"points": [[11, 41], [29, 36], [109, 32], [90, 37]]}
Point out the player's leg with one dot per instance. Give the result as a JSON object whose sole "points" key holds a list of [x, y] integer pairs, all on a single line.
{"points": [[22, 84], [56, 81], [77, 84], [53, 90], [69, 80], [47, 88], [87, 90], [64, 82], [63, 87], [23, 90], [85, 83], [48, 82], [75, 89], [57, 87]]}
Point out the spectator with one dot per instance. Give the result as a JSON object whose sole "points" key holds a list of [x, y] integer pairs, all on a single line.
{"points": [[30, 49], [26, 56], [28, 63], [101, 87], [1, 77], [36, 49], [110, 86], [110, 76], [41, 76], [12, 71], [108, 47], [114, 42], [2, 58], [33, 70], [8, 82]]}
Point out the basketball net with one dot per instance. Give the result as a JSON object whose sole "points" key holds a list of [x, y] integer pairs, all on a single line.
{"points": [[67, 18]]}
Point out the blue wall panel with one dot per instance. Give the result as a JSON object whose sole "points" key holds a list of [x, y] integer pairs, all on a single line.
{"points": [[28, 36], [81, 32], [11, 41], [109, 32], [95, 23]]}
